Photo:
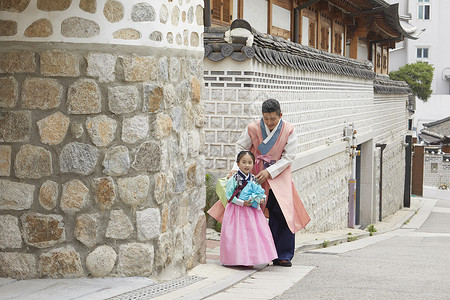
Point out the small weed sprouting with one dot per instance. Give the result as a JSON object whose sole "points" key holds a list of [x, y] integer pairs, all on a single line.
{"points": [[371, 229], [352, 238], [325, 244]]}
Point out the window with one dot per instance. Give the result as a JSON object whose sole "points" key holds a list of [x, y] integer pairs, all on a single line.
{"points": [[422, 55], [424, 10], [221, 12]]}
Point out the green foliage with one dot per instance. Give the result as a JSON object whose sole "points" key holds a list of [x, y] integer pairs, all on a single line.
{"points": [[325, 244], [352, 238], [211, 198], [371, 228], [418, 76]]}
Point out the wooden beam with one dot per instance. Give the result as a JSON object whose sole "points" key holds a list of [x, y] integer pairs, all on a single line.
{"points": [[323, 6], [240, 8], [269, 16], [354, 47], [348, 20]]}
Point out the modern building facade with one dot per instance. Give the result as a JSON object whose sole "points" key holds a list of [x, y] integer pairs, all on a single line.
{"points": [[433, 46]]}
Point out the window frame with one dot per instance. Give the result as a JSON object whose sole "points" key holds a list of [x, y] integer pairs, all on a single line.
{"points": [[420, 57], [422, 6]]}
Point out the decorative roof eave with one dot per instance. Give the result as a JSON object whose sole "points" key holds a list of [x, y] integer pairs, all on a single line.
{"points": [[279, 52], [382, 84], [393, 19]]}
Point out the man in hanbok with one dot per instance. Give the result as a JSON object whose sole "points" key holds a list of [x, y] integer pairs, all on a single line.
{"points": [[274, 143]]}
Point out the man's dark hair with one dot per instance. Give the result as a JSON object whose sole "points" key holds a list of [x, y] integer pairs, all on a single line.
{"points": [[271, 105], [242, 153]]}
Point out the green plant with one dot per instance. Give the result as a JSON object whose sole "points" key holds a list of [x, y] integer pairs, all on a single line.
{"points": [[371, 228], [218, 227], [352, 238], [325, 244], [211, 198], [418, 76]]}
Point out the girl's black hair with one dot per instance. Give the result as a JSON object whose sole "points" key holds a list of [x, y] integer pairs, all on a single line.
{"points": [[242, 153]]}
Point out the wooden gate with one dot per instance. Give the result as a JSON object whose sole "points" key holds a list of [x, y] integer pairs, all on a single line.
{"points": [[417, 170]]}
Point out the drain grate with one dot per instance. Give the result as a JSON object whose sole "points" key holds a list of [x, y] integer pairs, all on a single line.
{"points": [[158, 289]]}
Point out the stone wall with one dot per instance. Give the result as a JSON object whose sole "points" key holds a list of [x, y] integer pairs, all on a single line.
{"points": [[101, 146], [390, 127], [436, 168]]}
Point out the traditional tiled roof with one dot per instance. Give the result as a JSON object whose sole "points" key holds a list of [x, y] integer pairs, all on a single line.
{"points": [[382, 84], [275, 51], [439, 129]]}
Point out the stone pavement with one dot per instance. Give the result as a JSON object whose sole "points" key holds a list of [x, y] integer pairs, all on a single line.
{"points": [[210, 280]]}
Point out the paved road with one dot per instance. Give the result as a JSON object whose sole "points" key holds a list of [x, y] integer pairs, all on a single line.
{"points": [[409, 263]]}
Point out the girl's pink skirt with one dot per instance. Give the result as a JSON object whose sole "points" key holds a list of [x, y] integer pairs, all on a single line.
{"points": [[245, 238]]}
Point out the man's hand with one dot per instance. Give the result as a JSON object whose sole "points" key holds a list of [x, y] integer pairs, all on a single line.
{"points": [[262, 176], [231, 173]]}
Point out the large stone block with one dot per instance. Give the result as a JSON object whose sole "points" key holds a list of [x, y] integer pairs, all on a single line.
{"points": [[105, 192], [15, 126], [101, 65], [139, 68], [200, 238], [33, 162], [8, 28], [77, 27], [174, 69], [10, 236], [60, 63], [61, 263], [153, 97], [48, 194], [89, 6], [83, 97], [161, 188], [101, 129], [117, 161], [196, 90], [135, 259], [78, 158], [17, 62], [148, 222], [17, 265], [148, 157], [86, 229], [126, 34], [143, 12], [119, 226], [14, 5], [162, 126], [134, 190], [164, 250], [39, 28], [5, 160], [100, 262], [43, 231], [123, 99], [53, 128], [15, 195], [135, 129], [49, 5], [8, 92], [113, 11], [75, 196]]}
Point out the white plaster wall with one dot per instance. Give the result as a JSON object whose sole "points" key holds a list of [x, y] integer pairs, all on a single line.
{"points": [[256, 10], [281, 17], [32, 13], [435, 37]]}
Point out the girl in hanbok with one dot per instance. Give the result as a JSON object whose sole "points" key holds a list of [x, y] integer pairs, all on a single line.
{"points": [[245, 238]]}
